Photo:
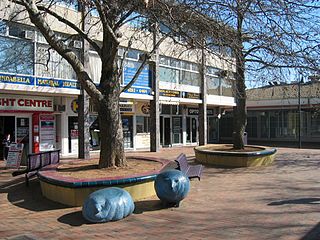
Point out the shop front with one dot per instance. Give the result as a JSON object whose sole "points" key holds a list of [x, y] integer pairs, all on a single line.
{"points": [[27, 120]]}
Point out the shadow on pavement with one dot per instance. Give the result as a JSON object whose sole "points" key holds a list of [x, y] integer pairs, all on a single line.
{"points": [[148, 206], [313, 234], [296, 201], [74, 219], [28, 197]]}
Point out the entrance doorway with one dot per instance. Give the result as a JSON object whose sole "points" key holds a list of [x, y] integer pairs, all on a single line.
{"points": [[7, 126], [127, 128], [213, 130], [192, 130], [19, 129], [165, 131]]}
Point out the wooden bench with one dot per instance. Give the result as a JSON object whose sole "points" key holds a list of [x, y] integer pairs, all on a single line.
{"points": [[192, 171], [36, 161]]}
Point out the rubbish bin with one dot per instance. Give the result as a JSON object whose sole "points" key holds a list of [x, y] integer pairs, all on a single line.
{"points": [[245, 138]]}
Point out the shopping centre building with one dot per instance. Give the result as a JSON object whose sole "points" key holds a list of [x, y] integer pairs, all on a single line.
{"points": [[39, 92], [281, 113]]}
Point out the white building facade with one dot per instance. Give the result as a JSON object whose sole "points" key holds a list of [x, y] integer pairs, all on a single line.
{"points": [[39, 91]]}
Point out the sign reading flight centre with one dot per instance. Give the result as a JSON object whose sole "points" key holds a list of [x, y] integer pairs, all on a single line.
{"points": [[25, 103]]}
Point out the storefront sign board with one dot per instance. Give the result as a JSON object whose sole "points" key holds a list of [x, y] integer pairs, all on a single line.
{"points": [[25, 103], [14, 155]]}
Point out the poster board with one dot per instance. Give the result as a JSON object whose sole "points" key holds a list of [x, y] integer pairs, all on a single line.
{"points": [[47, 132], [14, 155]]}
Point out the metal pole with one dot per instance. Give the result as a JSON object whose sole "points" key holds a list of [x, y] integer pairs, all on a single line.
{"points": [[299, 109]]}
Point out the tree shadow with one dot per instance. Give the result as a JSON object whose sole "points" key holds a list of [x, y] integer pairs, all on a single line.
{"points": [[296, 201], [313, 234], [30, 197]]}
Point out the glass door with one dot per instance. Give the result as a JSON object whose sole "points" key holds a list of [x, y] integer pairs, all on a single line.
{"points": [[177, 130], [192, 130], [213, 128], [166, 131], [127, 128]]}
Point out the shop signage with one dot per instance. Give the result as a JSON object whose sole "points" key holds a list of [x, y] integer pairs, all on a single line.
{"points": [[130, 70], [14, 155], [47, 132], [191, 95], [16, 79], [169, 93], [126, 108], [195, 111], [25, 103], [38, 81], [136, 90], [74, 105], [145, 108], [57, 83]]}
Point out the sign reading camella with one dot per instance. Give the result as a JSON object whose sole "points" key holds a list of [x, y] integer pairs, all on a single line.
{"points": [[25, 103]]}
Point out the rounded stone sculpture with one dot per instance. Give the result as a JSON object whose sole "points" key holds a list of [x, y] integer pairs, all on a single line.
{"points": [[109, 204], [171, 187]]}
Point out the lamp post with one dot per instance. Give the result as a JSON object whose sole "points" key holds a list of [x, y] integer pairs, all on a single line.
{"points": [[299, 109]]}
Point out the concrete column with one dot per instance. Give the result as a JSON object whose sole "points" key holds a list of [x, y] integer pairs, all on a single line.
{"points": [[203, 106], [154, 104]]}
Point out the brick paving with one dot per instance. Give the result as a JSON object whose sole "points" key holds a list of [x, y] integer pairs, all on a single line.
{"points": [[281, 201]]}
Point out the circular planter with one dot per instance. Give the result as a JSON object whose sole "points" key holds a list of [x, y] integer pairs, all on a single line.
{"points": [[259, 156], [72, 192]]}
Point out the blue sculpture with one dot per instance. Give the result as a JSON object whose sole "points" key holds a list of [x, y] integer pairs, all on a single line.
{"points": [[171, 187], [109, 204]]}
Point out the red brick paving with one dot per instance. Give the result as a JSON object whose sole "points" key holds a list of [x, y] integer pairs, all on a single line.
{"points": [[281, 201]]}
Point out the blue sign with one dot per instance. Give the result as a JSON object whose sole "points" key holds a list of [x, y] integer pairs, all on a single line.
{"points": [[57, 83], [16, 79], [130, 70], [139, 90]]}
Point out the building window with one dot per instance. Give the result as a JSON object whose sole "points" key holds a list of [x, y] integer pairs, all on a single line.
{"points": [[16, 56], [142, 124], [168, 75], [190, 78], [227, 87], [51, 64], [213, 85], [315, 124]]}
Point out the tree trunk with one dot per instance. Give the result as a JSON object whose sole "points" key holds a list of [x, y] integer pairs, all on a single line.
{"points": [[111, 135], [240, 110]]}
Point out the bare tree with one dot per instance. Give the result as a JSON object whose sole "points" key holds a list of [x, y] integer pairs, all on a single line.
{"points": [[110, 17], [267, 37]]}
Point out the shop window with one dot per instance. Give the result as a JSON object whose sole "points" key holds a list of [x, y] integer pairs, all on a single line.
{"points": [[165, 109], [143, 124], [251, 128], [16, 56], [315, 124]]}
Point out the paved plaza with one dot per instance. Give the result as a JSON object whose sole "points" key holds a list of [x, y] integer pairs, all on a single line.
{"points": [[281, 201]]}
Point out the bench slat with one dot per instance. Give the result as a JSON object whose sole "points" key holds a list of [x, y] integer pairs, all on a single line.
{"points": [[191, 171], [36, 161]]}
